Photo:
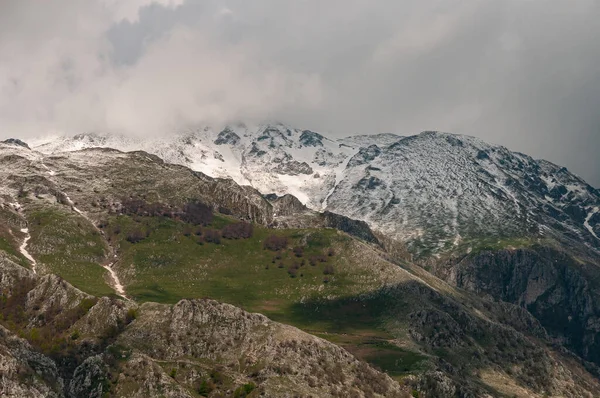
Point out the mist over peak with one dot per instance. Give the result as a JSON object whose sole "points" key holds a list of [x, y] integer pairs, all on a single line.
{"points": [[513, 73]]}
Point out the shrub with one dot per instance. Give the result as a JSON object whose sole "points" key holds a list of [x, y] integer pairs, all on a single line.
{"points": [[225, 210], [139, 207], [317, 259], [206, 387], [292, 272], [275, 243], [131, 315], [135, 236], [197, 213], [212, 236], [330, 252], [240, 230], [298, 251], [328, 270], [217, 376], [244, 390]]}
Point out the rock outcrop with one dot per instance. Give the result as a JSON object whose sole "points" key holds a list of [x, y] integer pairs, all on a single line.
{"points": [[559, 291]]}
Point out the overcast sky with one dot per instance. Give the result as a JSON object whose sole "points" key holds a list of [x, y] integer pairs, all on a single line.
{"points": [[520, 73]]}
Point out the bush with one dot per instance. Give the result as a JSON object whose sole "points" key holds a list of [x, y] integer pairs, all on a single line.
{"points": [[139, 207], [212, 236], [225, 210], [330, 252], [244, 390], [328, 270], [298, 251], [275, 243], [313, 260], [240, 230], [131, 315], [206, 387], [135, 236], [197, 213]]}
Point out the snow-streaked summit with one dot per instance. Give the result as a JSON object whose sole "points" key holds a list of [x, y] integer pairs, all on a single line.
{"points": [[435, 191]]}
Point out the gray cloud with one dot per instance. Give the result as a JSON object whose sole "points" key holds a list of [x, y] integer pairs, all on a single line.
{"points": [[518, 73]]}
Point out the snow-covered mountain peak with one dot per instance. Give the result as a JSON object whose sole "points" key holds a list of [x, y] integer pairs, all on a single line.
{"points": [[435, 191]]}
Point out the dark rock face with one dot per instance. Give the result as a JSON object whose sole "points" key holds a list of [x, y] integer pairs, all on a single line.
{"points": [[227, 136], [310, 138], [90, 379], [285, 205], [436, 329], [551, 285], [370, 183], [293, 168], [352, 227], [16, 141], [364, 156], [288, 207]]}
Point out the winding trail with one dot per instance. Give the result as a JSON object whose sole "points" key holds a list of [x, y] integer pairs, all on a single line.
{"points": [[114, 278]]}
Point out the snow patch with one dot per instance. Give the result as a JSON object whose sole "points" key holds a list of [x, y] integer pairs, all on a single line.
{"points": [[70, 202], [51, 172], [116, 282], [587, 225], [24, 252]]}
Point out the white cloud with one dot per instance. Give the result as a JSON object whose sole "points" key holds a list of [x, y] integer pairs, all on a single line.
{"points": [[129, 9], [522, 74]]}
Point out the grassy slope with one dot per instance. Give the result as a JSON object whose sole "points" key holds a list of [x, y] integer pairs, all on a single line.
{"points": [[67, 245], [168, 266]]}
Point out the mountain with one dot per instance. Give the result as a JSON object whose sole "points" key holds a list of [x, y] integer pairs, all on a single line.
{"points": [[481, 217], [125, 275], [435, 192]]}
